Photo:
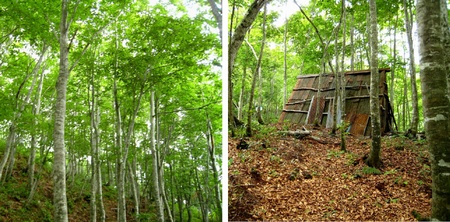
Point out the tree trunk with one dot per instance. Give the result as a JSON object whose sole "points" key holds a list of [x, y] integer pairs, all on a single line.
{"points": [[59, 162], [134, 190], [36, 111], [393, 66], [8, 156], [44, 156], [155, 177], [200, 195], [337, 91], [342, 81], [257, 72], [374, 157], [188, 207], [211, 149], [241, 94], [436, 103], [446, 40], [412, 70], [406, 109], [94, 145], [285, 98], [352, 46], [217, 15], [120, 166], [100, 192]]}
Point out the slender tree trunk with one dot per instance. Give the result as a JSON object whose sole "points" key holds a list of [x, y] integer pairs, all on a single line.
{"points": [[188, 207], [134, 190], [374, 159], [120, 165], [368, 29], [59, 162], [10, 141], [36, 111], [260, 93], [343, 82], [257, 72], [436, 103], [352, 46], [94, 140], [412, 70], [217, 15], [44, 156], [393, 66], [100, 192], [201, 199], [10, 166], [285, 99], [172, 189], [241, 94], [211, 149], [337, 91], [8, 156], [155, 178], [180, 205]]}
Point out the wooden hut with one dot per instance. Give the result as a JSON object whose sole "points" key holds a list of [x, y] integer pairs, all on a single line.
{"points": [[303, 102]]}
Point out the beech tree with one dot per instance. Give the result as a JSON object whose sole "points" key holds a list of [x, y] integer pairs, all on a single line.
{"points": [[374, 157], [434, 74]]}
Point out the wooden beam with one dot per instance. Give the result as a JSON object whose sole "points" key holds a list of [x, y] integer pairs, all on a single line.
{"points": [[294, 111]]}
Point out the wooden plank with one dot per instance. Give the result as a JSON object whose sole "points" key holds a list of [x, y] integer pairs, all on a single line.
{"points": [[305, 88]]}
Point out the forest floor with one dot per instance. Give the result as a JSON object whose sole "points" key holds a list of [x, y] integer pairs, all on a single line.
{"points": [[15, 191], [284, 178]]}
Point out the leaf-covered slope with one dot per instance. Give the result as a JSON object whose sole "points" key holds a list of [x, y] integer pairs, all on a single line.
{"points": [[14, 194], [311, 179]]}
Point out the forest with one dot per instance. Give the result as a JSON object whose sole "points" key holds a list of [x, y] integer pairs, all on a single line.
{"points": [[230, 110], [110, 111], [338, 110]]}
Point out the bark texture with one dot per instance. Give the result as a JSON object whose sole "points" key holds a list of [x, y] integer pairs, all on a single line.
{"points": [[59, 162], [374, 157], [434, 75]]}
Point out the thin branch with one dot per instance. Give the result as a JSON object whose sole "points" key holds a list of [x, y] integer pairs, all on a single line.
{"points": [[251, 47], [71, 40]]}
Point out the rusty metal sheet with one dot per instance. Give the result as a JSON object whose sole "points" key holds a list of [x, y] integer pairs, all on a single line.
{"points": [[359, 125]]}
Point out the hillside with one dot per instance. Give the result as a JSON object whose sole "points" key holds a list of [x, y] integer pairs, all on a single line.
{"points": [[280, 177], [14, 194]]}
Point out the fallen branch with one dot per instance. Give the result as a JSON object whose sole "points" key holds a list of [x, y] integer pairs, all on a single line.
{"points": [[297, 134]]}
